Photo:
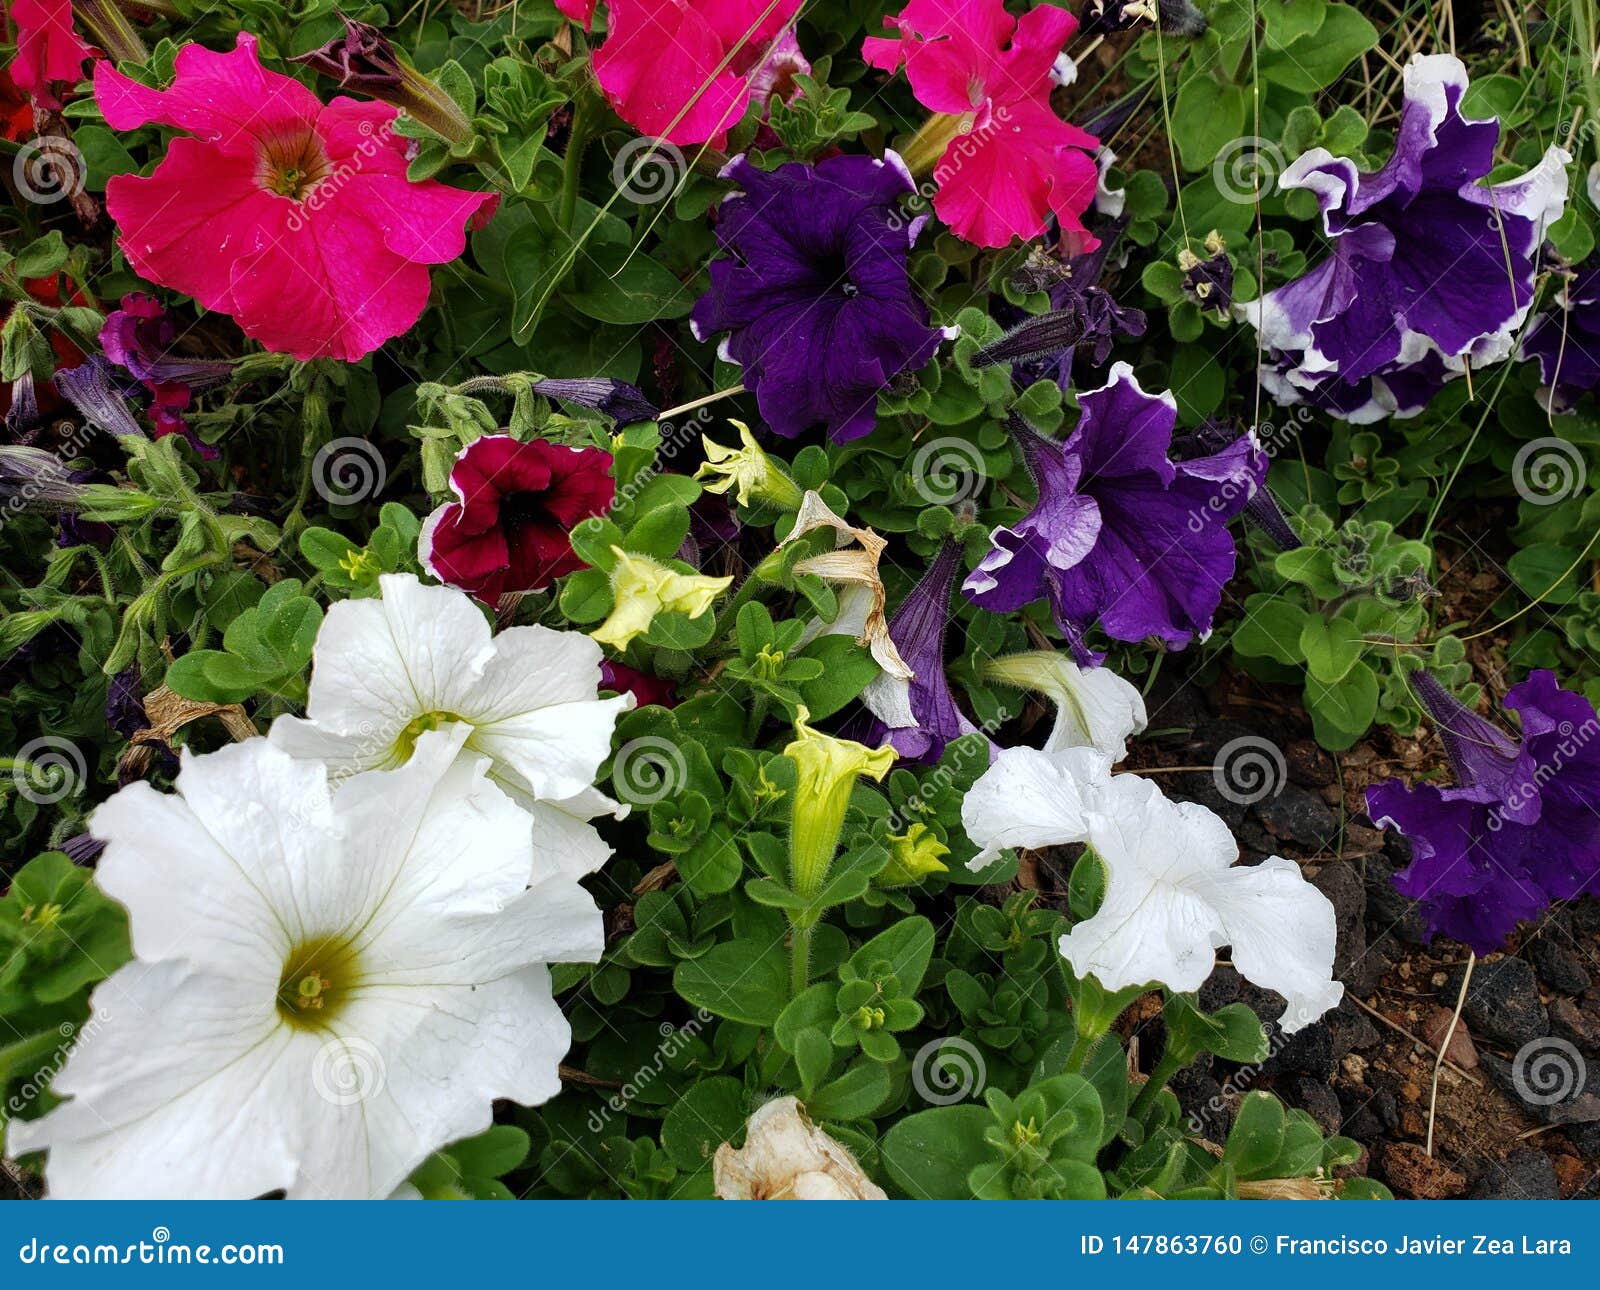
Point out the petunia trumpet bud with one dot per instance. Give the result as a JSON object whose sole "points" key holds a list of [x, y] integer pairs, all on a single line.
{"points": [[826, 772], [364, 60], [786, 1157], [748, 470], [641, 588]]}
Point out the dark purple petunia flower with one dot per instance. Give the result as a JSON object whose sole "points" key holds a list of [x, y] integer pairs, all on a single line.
{"points": [[1426, 260], [1083, 316], [1566, 341], [1521, 826], [919, 717], [138, 338], [99, 394], [1263, 509], [1121, 534], [622, 402], [815, 297]]}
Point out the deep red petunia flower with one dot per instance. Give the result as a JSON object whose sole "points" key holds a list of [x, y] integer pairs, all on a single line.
{"points": [[1009, 161], [294, 217], [48, 50], [517, 503]]}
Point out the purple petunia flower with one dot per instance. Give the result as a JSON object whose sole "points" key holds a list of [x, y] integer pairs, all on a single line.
{"points": [[1428, 267], [138, 338], [1083, 316], [1121, 534], [919, 717], [1566, 341], [816, 300], [1521, 826]]}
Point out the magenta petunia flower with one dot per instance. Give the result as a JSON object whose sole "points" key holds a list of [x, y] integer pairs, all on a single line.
{"points": [[1010, 161], [686, 70], [516, 505], [294, 217], [48, 50]]}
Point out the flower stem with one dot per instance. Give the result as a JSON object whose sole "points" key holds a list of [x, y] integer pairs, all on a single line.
{"points": [[1169, 1065], [572, 163], [700, 403], [800, 959]]}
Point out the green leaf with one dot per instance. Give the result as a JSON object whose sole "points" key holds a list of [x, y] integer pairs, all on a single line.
{"points": [[860, 1091], [1314, 62], [930, 1154], [1344, 709], [710, 1113], [743, 980], [1271, 628], [1331, 649], [1207, 116], [907, 946]]}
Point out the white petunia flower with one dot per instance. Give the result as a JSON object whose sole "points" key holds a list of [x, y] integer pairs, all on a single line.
{"points": [[421, 658], [325, 989], [1173, 893], [1095, 708]]}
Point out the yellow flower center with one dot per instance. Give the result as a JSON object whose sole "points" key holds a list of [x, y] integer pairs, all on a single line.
{"points": [[292, 165], [318, 978], [406, 743]]}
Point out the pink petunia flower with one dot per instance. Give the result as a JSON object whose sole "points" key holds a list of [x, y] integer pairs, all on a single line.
{"points": [[48, 50], [294, 217], [517, 504], [1009, 161], [686, 70]]}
